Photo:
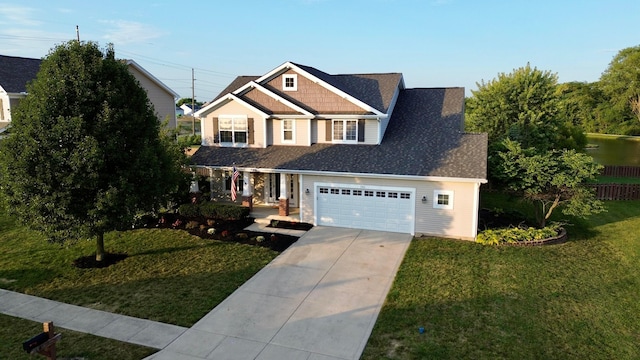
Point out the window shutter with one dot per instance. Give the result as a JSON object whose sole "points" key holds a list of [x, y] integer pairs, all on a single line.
{"points": [[216, 132], [361, 130], [250, 139], [329, 130]]}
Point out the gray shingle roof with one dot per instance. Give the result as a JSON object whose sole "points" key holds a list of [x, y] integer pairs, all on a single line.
{"points": [[376, 90], [16, 72], [424, 138]]}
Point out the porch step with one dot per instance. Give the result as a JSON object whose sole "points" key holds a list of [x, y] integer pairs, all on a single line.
{"points": [[267, 220]]}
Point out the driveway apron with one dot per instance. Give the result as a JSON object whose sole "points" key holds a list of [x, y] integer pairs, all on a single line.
{"points": [[318, 300]]}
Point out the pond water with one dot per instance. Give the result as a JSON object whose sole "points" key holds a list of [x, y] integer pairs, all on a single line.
{"points": [[615, 151]]}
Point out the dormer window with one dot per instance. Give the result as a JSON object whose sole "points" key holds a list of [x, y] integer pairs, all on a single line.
{"points": [[290, 82], [345, 131]]}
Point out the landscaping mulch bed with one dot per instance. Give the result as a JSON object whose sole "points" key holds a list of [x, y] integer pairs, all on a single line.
{"points": [[291, 225], [89, 262], [226, 230]]}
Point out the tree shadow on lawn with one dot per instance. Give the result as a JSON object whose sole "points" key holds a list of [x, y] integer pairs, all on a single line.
{"points": [[221, 230]]}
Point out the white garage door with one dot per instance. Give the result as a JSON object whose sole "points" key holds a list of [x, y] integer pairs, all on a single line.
{"points": [[366, 207]]}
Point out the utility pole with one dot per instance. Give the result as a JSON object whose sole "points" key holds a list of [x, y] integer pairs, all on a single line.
{"points": [[77, 33], [193, 104]]}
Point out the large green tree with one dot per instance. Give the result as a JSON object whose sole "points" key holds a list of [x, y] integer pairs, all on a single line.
{"points": [[86, 153], [550, 180], [621, 83], [521, 106]]}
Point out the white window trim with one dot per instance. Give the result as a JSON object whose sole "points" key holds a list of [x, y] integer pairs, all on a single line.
{"points": [[344, 132], [448, 193], [295, 82], [233, 119], [293, 131]]}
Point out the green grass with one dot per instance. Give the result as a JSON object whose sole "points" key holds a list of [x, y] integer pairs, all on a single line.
{"points": [[72, 345], [578, 300], [169, 276]]}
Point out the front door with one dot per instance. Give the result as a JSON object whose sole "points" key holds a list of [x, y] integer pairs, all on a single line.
{"points": [[273, 188]]}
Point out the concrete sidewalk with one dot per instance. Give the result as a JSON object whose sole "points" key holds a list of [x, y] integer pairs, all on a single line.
{"points": [[318, 300], [120, 327]]}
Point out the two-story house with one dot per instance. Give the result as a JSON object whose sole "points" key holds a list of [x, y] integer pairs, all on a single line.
{"points": [[357, 150], [16, 72]]}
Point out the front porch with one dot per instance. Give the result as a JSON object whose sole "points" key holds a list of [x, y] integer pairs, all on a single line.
{"points": [[263, 214]]}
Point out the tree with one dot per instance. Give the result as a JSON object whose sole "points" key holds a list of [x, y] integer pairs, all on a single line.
{"points": [[621, 83], [585, 105], [521, 106], [550, 179], [188, 101], [85, 154]]}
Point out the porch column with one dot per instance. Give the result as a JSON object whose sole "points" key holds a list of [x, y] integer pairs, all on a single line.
{"points": [[247, 190], [283, 202]]}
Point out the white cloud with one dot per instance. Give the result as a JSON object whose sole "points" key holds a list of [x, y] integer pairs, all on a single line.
{"points": [[17, 15], [122, 32]]}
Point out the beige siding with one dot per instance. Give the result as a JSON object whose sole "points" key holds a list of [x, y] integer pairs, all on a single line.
{"points": [[301, 132], [455, 223], [370, 132], [234, 108], [321, 131], [163, 102]]}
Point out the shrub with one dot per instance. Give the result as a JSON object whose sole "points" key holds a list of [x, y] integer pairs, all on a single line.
{"points": [[518, 234], [212, 210], [189, 210], [208, 210], [233, 212]]}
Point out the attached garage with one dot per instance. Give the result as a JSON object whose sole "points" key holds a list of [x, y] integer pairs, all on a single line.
{"points": [[366, 207]]}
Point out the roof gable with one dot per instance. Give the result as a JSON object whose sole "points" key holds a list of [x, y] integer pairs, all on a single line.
{"points": [[154, 79], [322, 93], [16, 72]]}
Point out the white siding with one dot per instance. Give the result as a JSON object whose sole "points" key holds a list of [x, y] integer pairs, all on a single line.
{"points": [[460, 222]]}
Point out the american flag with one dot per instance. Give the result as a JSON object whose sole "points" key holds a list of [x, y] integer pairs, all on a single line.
{"points": [[234, 177]]}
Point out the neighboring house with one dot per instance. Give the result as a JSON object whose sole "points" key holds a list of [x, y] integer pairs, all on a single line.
{"points": [[160, 95], [16, 72], [186, 109], [358, 151]]}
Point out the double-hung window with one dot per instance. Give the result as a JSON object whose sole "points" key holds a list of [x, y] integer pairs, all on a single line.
{"points": [[233, 130], [288, 130], [345, 130], [227, 176]]}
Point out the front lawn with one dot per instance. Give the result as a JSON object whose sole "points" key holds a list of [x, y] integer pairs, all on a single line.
{"points": [[578, 300], [168, 276]]}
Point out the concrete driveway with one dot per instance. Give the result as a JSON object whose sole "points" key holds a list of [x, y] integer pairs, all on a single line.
{"points": [[318, 300]]}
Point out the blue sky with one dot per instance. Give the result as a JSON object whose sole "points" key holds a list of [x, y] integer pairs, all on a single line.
{"points": [[434, 43]]}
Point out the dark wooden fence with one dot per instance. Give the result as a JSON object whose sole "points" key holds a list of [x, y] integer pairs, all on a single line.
{"points": [[617, 191], [621, 171]]}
